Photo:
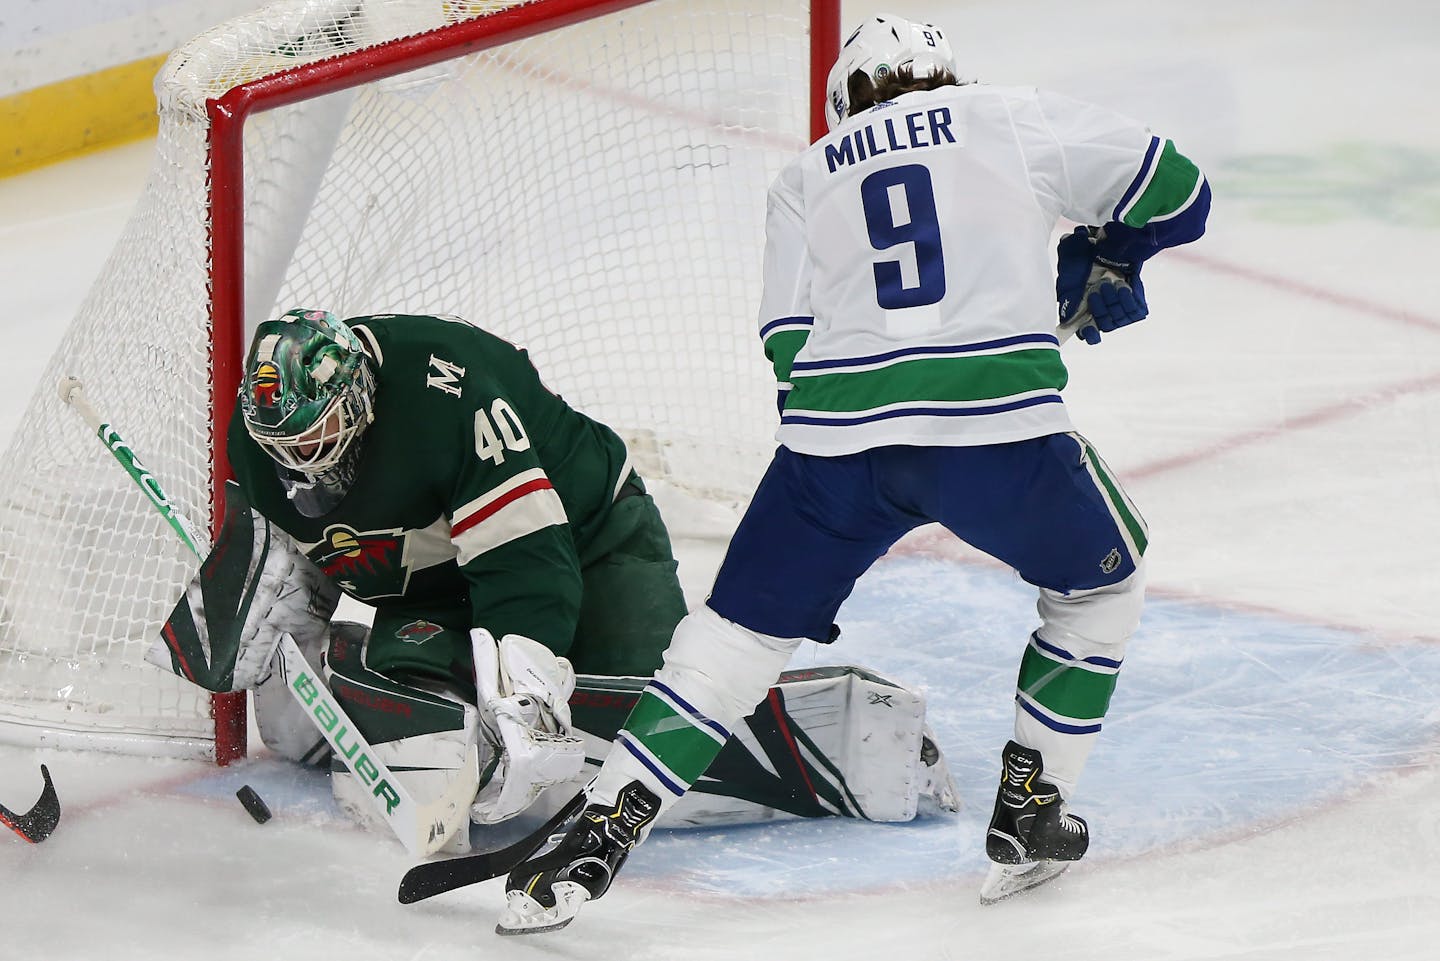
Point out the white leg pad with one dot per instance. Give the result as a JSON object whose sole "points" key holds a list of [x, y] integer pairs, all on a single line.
{"points": [[425, 764], [870, 751]]}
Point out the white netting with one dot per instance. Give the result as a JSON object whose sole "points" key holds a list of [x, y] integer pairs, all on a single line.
{"points": [[595, 192]]}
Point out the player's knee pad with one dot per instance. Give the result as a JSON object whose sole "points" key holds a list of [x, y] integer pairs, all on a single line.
{"points": [[714, 674], [722, 669], [423, 733], [1095, 622]]}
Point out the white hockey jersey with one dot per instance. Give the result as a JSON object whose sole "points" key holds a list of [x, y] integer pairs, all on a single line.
{"points": [[908, 289]]}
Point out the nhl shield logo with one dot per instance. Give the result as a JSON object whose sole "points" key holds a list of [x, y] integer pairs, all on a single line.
{"points": [[1111, 561], [418, 632]]}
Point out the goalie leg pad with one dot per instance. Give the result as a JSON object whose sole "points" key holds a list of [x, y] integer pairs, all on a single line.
{"points": [[423, 734], [1069, 670], [837, 741], [830, 741]]}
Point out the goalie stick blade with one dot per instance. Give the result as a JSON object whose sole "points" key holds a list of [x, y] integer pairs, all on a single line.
{"points": [[436, 877], [38, 823]]}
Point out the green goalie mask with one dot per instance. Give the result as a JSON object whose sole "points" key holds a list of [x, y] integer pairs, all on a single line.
{"points": [[308, 394]]}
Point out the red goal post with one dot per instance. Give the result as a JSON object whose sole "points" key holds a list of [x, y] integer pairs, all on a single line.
{"points": [[584, 176]]}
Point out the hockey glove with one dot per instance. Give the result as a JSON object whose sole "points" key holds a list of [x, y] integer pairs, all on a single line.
{"points": [[255, 585], [524, 692], [1096, 291]]}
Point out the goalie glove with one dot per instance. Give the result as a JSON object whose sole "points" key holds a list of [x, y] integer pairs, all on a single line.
{"points": [[1097, 288], [524, 692], [255, 585]]}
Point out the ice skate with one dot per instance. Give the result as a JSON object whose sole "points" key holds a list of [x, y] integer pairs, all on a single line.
{"points": [[1032, 838], [547, 890]]}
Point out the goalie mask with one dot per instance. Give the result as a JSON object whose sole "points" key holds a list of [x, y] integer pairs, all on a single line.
{"points": [[878, 47], [306, 398]]}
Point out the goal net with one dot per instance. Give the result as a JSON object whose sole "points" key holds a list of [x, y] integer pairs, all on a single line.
{"points": [[585, 177]]}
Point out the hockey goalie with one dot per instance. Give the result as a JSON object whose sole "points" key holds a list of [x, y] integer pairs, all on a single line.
{"points": [[522, 583]]}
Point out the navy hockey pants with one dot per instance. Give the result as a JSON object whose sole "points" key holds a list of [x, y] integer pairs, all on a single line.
{"points": [[1048, 507]]}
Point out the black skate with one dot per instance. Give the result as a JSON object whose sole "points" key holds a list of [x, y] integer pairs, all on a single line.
{"points": [[1032, 838], [545, 892]]}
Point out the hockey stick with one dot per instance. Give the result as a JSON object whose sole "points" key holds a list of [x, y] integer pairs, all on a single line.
{"points": [[38, 823], [73, 393], [422, 828], [436, 877]]}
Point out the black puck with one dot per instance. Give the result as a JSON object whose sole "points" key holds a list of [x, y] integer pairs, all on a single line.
{"points": [[253, 804]]}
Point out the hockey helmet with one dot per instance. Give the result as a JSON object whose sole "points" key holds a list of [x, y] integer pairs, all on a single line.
{"points": [[308, 392], [877, 48]]}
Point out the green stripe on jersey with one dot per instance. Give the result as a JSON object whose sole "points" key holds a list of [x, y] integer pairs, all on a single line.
{"points": [[1168, 190], [1119, 502], [988, 377], [674, 739], [781, 348], [1072, 693]]}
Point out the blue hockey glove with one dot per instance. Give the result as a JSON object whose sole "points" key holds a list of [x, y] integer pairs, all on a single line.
{"points": [[1096, 292]]}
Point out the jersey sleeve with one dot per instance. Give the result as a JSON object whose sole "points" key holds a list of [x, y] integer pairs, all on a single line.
{"points": [[1113, 170], [511, 535], [786, 317]]}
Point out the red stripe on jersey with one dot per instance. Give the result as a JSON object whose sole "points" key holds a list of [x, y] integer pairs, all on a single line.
{"points": [[490, 509]]}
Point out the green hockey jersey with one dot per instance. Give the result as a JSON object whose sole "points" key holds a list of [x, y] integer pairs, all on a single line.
{"points": [[479, 493]]}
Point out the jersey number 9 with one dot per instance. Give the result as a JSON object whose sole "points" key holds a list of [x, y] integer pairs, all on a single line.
{"points": [[899, 207]]}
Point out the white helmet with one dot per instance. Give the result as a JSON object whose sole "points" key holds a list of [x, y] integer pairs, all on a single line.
{"points": [[877, 48]]}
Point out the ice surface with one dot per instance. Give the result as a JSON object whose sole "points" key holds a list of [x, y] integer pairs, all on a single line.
{"points": [[1265, 786]]}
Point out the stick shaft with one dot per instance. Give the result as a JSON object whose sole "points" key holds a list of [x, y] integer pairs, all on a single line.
{"points": [[73, 393]]}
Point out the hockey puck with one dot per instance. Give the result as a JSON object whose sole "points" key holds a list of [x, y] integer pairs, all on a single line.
{"points": [[253, 804]]}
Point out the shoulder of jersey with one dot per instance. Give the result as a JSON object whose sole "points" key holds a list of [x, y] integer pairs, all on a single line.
{"points": [[379, 331], [390, 337], [429, 355]]}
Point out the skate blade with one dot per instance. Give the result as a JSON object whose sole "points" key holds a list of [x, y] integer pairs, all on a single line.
{"points": [[524, 915], [1007, 880]]}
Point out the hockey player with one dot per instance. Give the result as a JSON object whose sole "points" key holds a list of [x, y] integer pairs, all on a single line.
{"points": [[423, 466], [905, 310], [419, 465]]}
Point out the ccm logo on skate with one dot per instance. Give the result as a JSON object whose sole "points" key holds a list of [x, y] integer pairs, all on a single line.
{"points": [[335, 733]]}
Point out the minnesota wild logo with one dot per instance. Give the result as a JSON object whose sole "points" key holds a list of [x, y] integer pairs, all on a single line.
{"points": [[366, 564], [418, 632], [265, 385]]}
